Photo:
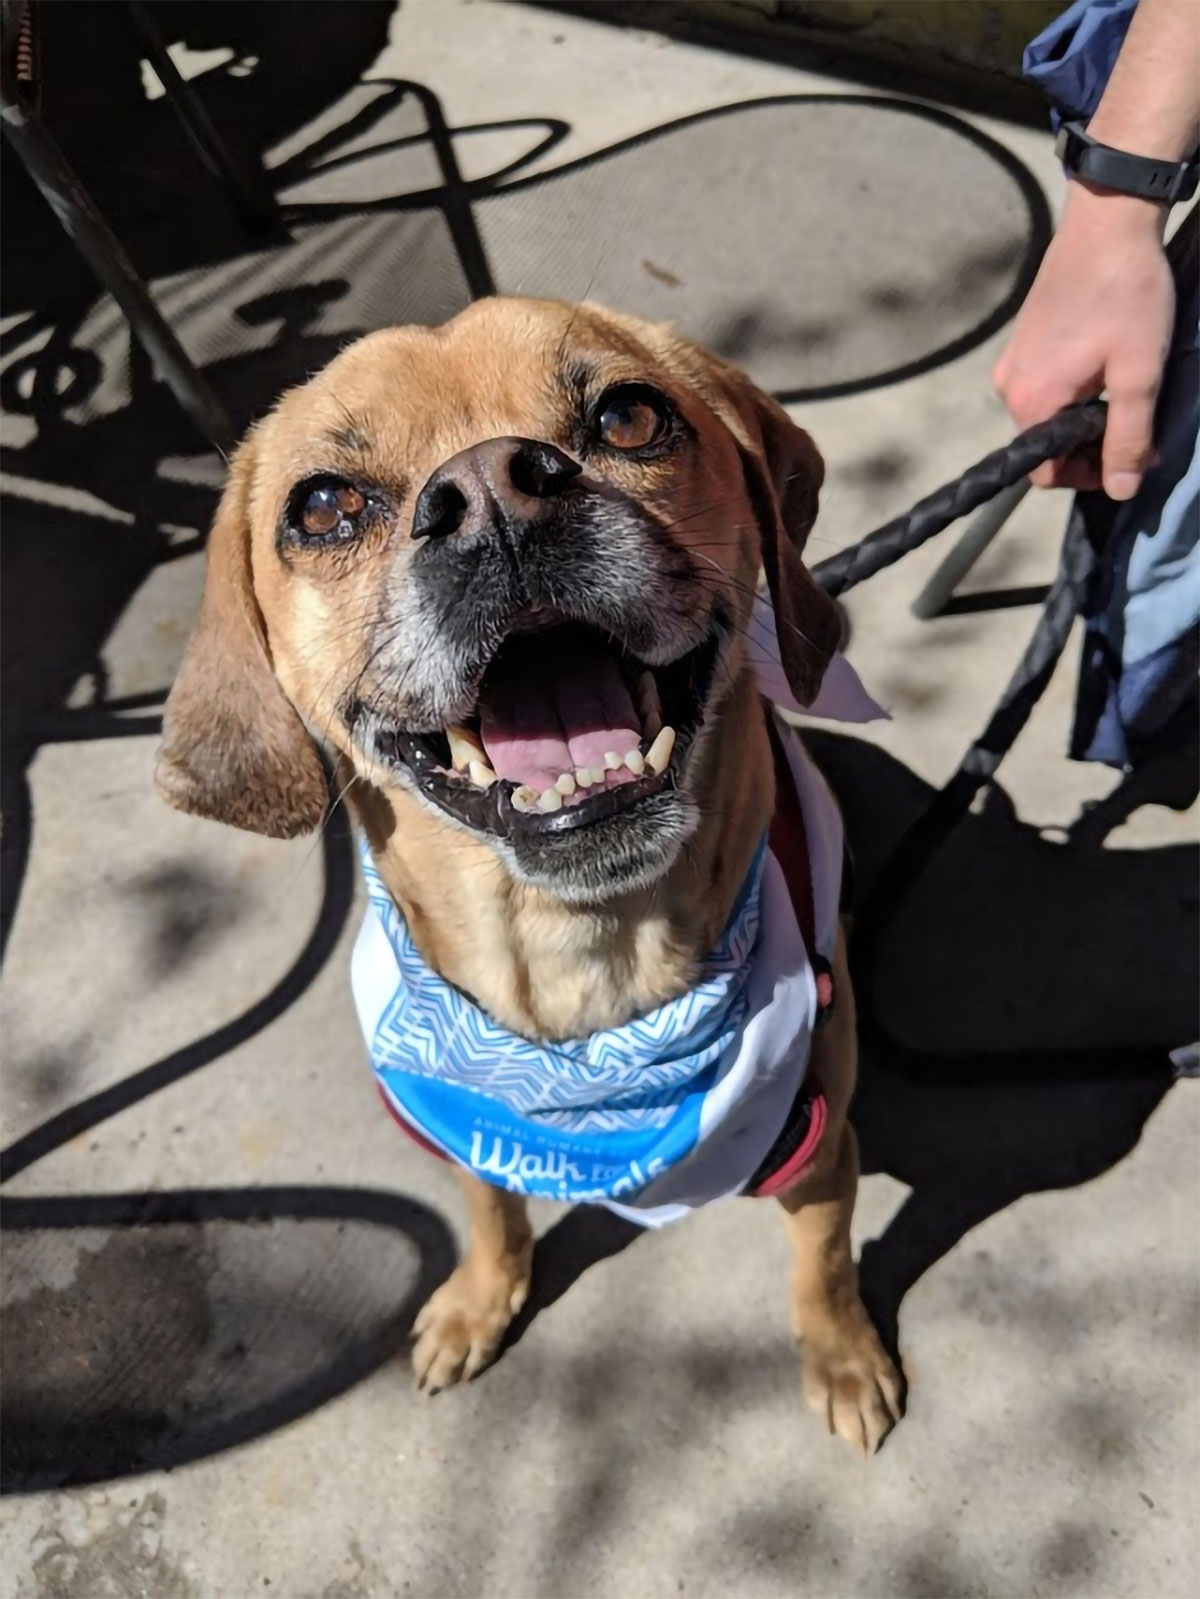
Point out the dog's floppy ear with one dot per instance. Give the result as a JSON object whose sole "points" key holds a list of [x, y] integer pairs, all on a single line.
{"points": [[233, 747], [784, 472]]}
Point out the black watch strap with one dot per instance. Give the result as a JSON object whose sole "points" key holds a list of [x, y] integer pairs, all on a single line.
{"points": [[1082, 156]]}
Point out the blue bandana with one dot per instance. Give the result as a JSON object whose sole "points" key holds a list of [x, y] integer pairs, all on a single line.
{"points": [[584, 1120]]}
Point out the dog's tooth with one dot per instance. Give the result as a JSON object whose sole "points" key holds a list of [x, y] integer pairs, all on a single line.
{"points": [[565, 785], [464, 748], [551, 800], [524, 798], [658, 756], [612, 760], [599, 773], [583, 776], [481, 774], [636, 762]]}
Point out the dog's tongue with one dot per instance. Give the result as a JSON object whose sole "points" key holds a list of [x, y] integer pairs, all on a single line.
{"points": [[555, 702]]}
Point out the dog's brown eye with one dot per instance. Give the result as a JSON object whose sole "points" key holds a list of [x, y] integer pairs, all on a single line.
{"points": [[326, 506], [631, 419]]}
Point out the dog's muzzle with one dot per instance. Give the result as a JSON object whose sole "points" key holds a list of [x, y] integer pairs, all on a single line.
{"points": [[580, 647]]}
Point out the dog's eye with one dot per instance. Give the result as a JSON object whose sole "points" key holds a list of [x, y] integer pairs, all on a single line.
{"points": [[631, 417], [327, 507]]}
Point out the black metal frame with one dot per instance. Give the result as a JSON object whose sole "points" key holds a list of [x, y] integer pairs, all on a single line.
{"points": [[251, 197], [86, 227], [244, 183], [247, 189]]}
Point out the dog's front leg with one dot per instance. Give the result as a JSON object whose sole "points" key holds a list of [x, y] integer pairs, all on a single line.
{"points": [[459, 1330], [848, 1379]]}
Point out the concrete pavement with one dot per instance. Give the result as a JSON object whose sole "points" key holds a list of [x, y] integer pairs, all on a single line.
{"points": [[645, 1435]]}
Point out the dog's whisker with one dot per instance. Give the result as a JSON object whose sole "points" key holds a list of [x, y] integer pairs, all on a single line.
{"points": [[321, 831], [780, 621]]}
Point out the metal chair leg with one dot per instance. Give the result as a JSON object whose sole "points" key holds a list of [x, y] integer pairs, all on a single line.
{"points": [[976, 536], [103, 252], [247, 188], [950, 804]]}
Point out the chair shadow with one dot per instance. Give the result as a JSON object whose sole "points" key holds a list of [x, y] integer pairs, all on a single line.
{"points": [[1007, 1106], [132, 153], [970, 1150]]}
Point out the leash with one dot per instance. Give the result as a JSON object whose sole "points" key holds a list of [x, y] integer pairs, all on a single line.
{"points": [[1072, 429], [1069, 430]]}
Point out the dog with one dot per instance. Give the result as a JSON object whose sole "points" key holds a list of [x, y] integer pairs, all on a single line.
{"points": [[497, 581]]}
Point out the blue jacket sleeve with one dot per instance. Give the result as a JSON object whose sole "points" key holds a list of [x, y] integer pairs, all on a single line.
{"points": [[1073, 58]]}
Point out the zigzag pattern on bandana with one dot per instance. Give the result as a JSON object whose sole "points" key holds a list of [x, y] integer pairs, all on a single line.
{"points": [[629, 1079]]}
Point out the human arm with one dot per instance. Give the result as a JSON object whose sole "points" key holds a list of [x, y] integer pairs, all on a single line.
{"points": [[1100, 312]]}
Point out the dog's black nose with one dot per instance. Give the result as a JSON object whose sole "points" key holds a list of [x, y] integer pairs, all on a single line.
{"points": [[512, 477]]}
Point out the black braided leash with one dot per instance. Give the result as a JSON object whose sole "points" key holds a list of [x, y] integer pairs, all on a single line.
{"points": [[1067, 431], [1070, 430]]}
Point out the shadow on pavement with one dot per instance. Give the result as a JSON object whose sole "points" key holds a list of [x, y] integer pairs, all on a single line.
{"points": [[131, 151], [336, 901], [1016, 1023], [142, 1331]]}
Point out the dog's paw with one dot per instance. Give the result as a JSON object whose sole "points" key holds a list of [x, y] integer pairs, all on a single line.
{"points": [[850, 1382], [459, 1329]]}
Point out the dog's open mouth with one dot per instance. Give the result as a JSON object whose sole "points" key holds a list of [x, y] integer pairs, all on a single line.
{"points": [[569, 729]]}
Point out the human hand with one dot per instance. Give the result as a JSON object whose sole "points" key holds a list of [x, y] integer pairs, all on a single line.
{"points": [[1098, 317]]}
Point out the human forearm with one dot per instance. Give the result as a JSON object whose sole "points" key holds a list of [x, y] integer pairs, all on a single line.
{"points": [[1151, 105], [1099, 315]]}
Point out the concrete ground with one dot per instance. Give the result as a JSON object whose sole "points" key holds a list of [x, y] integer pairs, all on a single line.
{"points": [[1033, 1230]]}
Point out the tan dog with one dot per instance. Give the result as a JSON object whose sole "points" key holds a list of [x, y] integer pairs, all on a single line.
{"points": [[430, 504]]}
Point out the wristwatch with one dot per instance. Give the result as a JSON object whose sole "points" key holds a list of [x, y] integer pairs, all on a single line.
{"points": [[1085, 157]]}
